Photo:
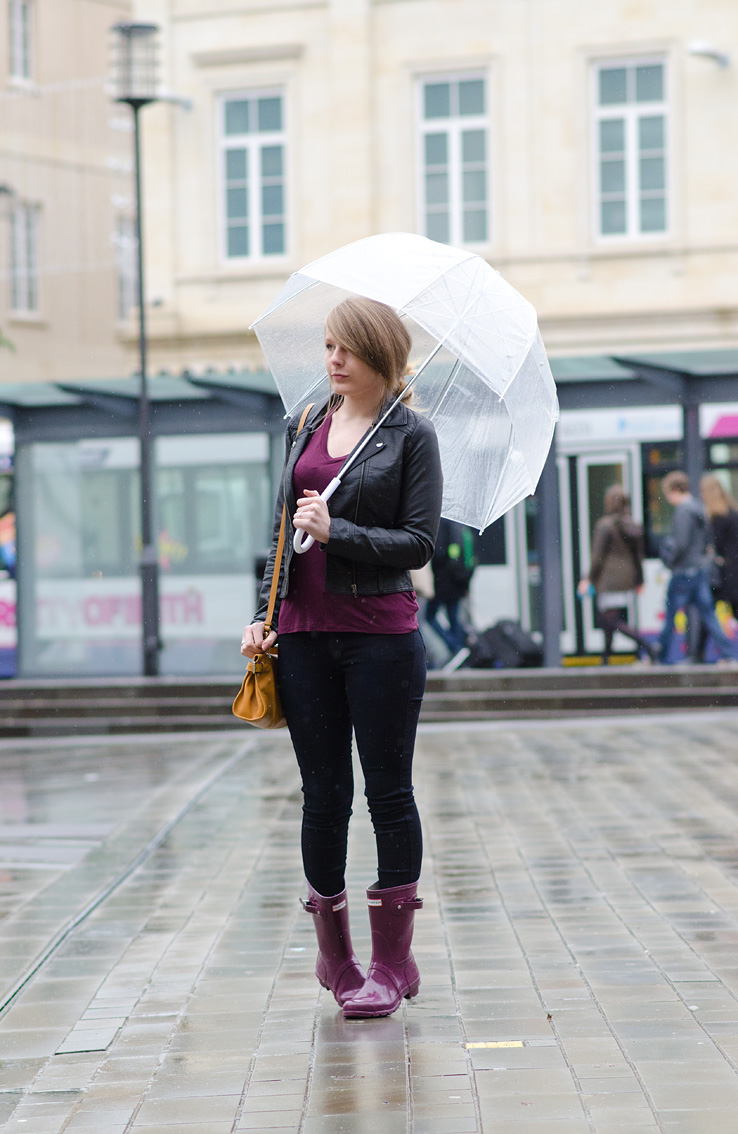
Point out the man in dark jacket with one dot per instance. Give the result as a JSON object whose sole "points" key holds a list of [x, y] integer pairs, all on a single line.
{"points": [[684, 553], [453, 566]]}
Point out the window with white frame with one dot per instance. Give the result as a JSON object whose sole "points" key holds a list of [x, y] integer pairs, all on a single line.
{"points": [[454, 159], [24, 225], [19, 40], [631, 138], [126, 257], [253, 157]]}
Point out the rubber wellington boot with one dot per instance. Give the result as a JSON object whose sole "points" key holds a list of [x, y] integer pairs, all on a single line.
{"points": [[337, 967], [393, 973]]}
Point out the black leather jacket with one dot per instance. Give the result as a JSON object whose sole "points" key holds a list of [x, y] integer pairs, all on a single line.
{"points": [[384, 516]]}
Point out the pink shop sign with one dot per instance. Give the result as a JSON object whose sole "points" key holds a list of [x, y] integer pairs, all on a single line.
{"points": [[58, 613], [194, 606], [7, 614]]}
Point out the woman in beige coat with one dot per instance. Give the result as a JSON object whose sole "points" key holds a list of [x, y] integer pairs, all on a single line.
{"points": [[616, 570]]}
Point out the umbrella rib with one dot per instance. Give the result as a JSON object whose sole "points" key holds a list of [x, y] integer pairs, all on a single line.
{"points": [[445, 389], [306, 395], [287, 299]]}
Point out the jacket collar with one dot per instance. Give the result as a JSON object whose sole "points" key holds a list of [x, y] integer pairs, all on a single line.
{"points": [[399, 417]]}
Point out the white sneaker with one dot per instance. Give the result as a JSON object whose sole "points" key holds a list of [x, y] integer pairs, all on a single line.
{"points": [[457, 660]]}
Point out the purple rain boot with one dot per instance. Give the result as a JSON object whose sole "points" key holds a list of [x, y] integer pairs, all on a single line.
{"points": [[392, 972], [337, 967]]}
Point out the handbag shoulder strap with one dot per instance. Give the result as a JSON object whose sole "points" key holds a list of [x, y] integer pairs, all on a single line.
{"points": [[280, 547]]}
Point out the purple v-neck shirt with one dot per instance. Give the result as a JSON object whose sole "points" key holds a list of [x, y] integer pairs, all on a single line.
{"points": [[308, 606]]}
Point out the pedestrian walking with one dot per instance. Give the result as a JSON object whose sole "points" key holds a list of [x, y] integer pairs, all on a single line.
{"points": [[350, 652], [722, 513], [684, 552], [616, 570], [453, 565]]}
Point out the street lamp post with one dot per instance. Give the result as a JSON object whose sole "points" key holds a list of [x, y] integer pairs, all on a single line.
{"points": [[136, 84]]}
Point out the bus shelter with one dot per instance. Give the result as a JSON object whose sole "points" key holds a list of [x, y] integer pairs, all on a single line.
{"points": [[688, 379], [218, 452]]}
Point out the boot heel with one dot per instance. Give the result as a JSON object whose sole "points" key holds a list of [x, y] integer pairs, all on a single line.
{"points": [[413, 989]]}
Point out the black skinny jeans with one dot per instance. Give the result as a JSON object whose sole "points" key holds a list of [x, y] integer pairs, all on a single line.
{"points": [[375, 683]]}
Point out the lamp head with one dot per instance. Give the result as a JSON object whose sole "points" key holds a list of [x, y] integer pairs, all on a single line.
{"points": [[135, 63]]}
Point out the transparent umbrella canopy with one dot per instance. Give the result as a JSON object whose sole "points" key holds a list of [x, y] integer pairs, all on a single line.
{"points": [[479, 365]]}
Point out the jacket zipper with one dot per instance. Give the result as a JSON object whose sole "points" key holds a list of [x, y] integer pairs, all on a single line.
{"points": [[354, 587]]}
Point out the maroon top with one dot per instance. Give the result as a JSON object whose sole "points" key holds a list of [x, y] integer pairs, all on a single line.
{"points": [[308, 606]]}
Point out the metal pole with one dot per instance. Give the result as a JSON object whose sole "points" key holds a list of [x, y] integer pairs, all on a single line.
{"points": [[693, 459], [149, 565], [549, 537]]}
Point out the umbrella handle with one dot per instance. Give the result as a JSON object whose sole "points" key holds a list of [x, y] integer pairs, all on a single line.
{"points": [[302, 540]]}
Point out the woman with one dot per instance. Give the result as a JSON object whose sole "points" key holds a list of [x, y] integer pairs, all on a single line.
{"points": [[616, 569], [722, 512], [350, 653]]}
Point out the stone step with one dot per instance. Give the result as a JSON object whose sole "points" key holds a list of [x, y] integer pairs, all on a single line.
{"points": [[52, 707], [585, 677]]}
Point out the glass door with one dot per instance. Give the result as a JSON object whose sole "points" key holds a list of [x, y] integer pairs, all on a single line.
{"points": [[595, 474]]}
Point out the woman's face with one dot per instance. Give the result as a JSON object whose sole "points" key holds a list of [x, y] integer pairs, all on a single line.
{"points": [[350, 376]]}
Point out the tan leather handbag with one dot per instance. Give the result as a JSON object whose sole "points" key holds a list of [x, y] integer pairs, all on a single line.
{"points": [[257, 701]]}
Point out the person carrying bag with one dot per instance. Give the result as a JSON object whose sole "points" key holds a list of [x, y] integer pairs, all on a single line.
{"points": [[258, 701], [616, 571], [346, 615]]}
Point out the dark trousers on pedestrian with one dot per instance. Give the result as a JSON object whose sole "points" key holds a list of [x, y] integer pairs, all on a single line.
{"points": [[614, 621], [373, 683], [692, 589], [454, 636]]}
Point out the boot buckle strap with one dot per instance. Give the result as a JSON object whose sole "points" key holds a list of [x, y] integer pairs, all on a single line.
{"points": [[401, 904], [312, 907]]}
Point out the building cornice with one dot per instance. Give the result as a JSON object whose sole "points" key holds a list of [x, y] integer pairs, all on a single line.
{"points": [[240, 55]]}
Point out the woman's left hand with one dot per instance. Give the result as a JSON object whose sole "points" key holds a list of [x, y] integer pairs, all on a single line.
{"points": [[312, 516]]}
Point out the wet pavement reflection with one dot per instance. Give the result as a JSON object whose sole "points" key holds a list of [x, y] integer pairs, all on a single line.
{"points": [[578, 946]]}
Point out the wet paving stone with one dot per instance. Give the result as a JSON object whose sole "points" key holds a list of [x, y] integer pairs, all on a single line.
{"points": [[577, 945]]}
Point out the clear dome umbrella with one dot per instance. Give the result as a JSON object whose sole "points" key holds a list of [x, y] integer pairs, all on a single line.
{"points": [[479, 367]]}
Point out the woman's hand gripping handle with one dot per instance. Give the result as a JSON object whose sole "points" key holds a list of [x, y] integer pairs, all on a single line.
{"points": [[312, 518], [254, 641]]}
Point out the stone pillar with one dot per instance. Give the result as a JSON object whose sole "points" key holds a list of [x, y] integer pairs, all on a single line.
{"points": [[549, 547], [350, 169]]}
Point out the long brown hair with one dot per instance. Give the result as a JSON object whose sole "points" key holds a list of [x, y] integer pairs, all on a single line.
{"points": [[717, 501], [617, 501], [376, 335]]}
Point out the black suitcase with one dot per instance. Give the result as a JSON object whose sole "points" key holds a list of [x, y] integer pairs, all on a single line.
{"points": [[504, 646], [529, 652], [491, 650]]}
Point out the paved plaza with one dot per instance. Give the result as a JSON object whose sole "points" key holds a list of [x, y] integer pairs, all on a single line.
{"points": [[578, 946]]}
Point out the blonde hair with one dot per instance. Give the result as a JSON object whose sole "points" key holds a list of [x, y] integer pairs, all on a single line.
{"points": [[717, 501], [375, 334]]}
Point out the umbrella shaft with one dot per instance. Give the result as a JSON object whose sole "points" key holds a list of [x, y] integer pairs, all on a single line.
{"points": [[384, 417], [302, 540]]}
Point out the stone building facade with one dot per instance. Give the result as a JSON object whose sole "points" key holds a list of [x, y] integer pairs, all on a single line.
{"points": [[66, 207], [584, 150]]}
